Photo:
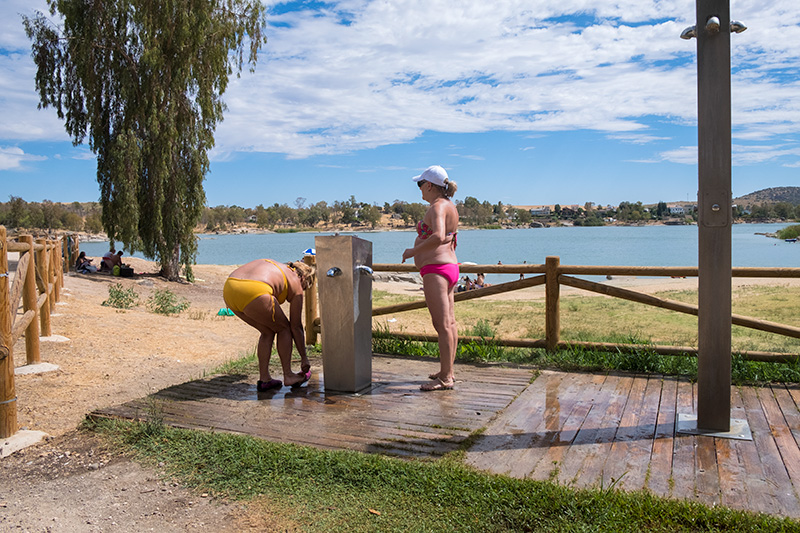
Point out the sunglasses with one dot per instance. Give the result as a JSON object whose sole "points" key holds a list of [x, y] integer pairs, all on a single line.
{"points": [[420, 183]]}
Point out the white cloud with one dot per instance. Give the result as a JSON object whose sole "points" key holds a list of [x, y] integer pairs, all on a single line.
{"points": [[685, 154], [12, 158], [637, 138], [397, 69]]}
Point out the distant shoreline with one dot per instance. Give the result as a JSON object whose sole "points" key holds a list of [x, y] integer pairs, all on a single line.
{"points": [[252, 229]]}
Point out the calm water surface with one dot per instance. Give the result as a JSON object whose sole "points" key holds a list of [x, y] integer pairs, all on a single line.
{"points": [[606, 245]]}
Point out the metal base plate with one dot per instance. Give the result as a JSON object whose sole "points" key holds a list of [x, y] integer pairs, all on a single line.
{"points": [[687, 424]]}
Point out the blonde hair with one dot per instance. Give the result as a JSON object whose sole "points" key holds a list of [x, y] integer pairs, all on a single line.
{"points": [[448, 189], [306, 272], [452, 187]]}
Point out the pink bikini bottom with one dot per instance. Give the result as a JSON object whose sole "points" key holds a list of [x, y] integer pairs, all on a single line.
{"points": [[448, 270]]}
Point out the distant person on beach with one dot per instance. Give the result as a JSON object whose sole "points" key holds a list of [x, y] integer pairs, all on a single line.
{"points": [[111, 259], [434, 253], [106, 260], [467, 286], [254, 292], [480, 282], [84, 264]]}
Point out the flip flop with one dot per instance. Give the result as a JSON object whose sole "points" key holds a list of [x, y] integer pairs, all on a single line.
{"points": [[436, 384], [306, 377], [263, 386]]}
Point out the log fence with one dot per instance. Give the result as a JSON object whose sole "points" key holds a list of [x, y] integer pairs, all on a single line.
{"points": [[37, 283], [552, 274]]}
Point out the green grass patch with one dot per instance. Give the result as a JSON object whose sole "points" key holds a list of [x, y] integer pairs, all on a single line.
{"points": [[353, 492]]}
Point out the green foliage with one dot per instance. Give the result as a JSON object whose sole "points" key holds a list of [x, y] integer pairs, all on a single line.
{"points": [[17, 213], [143, 80], [334, 490], [165, 302], [791, 232], [481, 329], [120, 297]]}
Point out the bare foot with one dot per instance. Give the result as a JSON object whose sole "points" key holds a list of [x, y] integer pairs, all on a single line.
{"points": [[305, 365], [294, 380]]}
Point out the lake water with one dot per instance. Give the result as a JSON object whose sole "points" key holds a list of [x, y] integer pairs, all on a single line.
{"points": [[605, 245]]}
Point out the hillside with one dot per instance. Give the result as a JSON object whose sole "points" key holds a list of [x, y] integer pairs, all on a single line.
{"points": [[770, 196]]}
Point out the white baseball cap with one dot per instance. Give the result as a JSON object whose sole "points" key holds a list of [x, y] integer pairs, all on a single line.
{"points": [[435, 174]]}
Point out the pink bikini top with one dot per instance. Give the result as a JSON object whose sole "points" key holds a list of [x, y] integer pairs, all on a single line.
{"points": [[424, 231]]}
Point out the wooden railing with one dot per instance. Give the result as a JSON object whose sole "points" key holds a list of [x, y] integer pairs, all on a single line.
{"points": [[38, 282], [552, 275]]}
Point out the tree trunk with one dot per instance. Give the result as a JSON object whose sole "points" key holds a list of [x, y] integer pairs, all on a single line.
{"points": [[170, 266]]}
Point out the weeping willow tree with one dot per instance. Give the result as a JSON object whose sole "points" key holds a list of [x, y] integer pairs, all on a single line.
{"points": [[143, 80]]}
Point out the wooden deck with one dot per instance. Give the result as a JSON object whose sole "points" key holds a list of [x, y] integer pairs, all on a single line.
{"points": [[578, 429]]}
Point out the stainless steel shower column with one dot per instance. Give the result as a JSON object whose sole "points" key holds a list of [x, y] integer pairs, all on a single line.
{"points": [[344, 274]]}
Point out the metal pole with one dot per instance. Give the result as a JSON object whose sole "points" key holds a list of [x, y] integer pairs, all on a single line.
{"points": [[714, 209]]}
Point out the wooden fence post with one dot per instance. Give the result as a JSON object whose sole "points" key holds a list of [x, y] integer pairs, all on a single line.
{"points": [[55, 270], [76, 251], [552, 321], [311, 304], [8, 393], [41, 269], [30, 302], [51, 276], [65, 253]]}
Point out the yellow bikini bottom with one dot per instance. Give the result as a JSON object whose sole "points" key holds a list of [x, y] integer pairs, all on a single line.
{"points": [[240, 292]]}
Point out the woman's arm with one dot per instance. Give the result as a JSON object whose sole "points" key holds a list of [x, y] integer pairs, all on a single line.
{"points": [[296, 323]]}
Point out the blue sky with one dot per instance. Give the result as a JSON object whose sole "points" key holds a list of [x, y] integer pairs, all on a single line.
{"points": [[523, 102]]}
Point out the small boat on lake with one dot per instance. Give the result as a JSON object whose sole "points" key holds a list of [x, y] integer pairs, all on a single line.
{"points": [[791, 240]]}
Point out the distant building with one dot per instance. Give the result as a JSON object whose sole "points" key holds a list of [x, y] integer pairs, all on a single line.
{"points": [[540, 211], [676, 210]]}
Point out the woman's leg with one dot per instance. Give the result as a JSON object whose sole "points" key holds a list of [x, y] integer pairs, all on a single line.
{"points": [[439, 297], [261, 312], [264, 347]]}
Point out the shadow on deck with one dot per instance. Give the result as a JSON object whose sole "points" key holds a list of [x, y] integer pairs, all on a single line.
{"points": [[578, 429]]}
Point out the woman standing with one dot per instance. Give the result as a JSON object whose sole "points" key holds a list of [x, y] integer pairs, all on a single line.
{"points": [[254, 292], [434, 253]]}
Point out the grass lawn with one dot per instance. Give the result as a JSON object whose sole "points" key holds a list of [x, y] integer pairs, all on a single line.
{"points": [[349, 491]]}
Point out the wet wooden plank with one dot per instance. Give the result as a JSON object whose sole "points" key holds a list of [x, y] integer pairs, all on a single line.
{"points": [[661, 454], [766, 461], [576, 454], [732, 472], [785, 394], [517, 428], [591, 473], [551, 463], [706, 472], [618, 468], [683, 446], [640, 435], [782, 435]]}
